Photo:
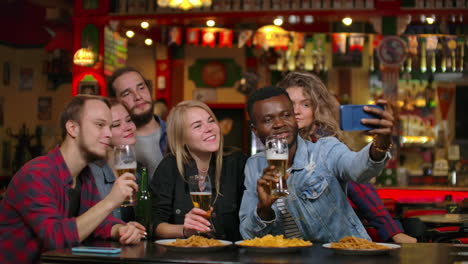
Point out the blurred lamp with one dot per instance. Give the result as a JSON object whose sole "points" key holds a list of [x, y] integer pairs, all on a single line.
{"points": [[84, 57]]}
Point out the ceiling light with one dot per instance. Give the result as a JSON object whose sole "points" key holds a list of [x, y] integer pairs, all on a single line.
{"points": [[423, 18], [148, 42], [278, 21], [430, 19], [129, 34], [210, 23], [293, 19], [144, 24], [308, 19], [347, 21]]}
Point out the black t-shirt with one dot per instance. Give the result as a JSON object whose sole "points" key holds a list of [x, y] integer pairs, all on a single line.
{"points": [[74, 196]]}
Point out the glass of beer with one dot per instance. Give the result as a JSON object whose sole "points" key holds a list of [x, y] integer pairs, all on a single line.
{"points": [[200, 192], [277, 155], [125, 161]]}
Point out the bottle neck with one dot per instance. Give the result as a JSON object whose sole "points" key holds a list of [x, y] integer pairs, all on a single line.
{"points": [[144, 180]]}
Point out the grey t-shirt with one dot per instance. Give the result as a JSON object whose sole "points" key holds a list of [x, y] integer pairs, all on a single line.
{"points": [[148, 152]]}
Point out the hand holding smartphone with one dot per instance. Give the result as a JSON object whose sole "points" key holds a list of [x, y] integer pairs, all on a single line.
{"points": [[351, 115]]}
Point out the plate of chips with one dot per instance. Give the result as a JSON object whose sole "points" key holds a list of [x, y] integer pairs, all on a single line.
{"points": [[358, 246], [274, 244], [193, 244]]}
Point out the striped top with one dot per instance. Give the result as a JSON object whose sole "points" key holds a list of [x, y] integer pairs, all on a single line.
{"points": [[290, 228]]}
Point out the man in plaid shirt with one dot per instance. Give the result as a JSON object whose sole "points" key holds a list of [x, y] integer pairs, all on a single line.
{"points": [[52, 201]]}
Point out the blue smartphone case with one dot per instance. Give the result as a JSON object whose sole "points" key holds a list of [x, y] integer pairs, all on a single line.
{"points": [[96, 250], [351, 115]]}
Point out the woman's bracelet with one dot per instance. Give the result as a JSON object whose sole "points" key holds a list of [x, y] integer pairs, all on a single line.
{"points": [[381, 149]]}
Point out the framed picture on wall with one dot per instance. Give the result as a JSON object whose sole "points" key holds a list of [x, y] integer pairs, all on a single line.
{"points": [[91, 88], [44, 108], [26, 79]]}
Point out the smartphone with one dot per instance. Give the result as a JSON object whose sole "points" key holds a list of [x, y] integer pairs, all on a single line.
{"points": [[351, 115], [96, 250]]}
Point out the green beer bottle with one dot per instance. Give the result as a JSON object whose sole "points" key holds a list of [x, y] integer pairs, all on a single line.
{"points": [[143, 207]]}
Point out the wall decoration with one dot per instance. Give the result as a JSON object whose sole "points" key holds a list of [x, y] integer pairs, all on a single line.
{"points": [[26, 79], [6, 73], [44, 108], [214, 73]]}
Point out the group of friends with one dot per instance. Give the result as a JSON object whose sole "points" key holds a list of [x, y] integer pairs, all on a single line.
{"points": [[72, 193]]}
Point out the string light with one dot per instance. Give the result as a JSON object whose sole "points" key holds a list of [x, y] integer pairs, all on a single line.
{"points": [[129, 34], [347, 21], [210, 23], [148, 42], [144, 24], [278, 21]]}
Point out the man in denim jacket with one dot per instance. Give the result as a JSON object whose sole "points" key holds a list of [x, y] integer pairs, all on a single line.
{"points": [[316, 208]]}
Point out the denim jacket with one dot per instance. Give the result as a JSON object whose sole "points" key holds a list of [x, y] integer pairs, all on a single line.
{"points": [[316, 198]]}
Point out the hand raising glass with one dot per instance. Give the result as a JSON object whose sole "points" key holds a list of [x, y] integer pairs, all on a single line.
{"points": [[125, 161], [200, 192]]}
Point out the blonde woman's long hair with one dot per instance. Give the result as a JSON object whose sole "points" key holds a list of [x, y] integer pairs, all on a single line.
{"points": [[325, 106], [176, 124]]}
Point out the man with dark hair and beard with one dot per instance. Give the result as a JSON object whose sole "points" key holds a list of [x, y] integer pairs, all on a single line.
{"points": [[52, 201], [130, 87]]}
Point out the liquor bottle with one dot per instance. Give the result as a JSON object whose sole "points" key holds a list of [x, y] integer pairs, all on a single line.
{"points": [[143, 207]]}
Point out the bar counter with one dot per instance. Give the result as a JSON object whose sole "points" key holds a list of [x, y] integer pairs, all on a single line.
{"points": [[149, 252]]}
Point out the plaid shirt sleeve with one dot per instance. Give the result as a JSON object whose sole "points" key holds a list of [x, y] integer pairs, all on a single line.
{"points": [[369, 204], [89, 197], [41, 206]]}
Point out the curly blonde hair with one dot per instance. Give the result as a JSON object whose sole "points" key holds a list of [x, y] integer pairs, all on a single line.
{"points": [[325, 106]]}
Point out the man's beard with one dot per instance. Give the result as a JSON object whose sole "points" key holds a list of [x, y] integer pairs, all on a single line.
{"points": [[143, 118], [90, 156]]}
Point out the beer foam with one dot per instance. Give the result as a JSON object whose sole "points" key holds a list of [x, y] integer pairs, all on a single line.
{"points": [[273, 155], [132, 165]]}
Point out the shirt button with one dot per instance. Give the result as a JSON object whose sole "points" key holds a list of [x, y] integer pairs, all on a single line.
{"points": [[213, 215], [177, 211]]}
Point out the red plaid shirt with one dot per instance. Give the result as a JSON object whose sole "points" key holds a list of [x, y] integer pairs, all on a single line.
{"points": [[368, 202], [34, 211]]}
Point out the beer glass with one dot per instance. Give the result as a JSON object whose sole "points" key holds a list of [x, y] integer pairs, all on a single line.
{"points": [[200, 192], [125, 161], [277, 155]]}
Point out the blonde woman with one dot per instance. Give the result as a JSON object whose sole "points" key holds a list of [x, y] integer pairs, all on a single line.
{"points": [[196, 146]]}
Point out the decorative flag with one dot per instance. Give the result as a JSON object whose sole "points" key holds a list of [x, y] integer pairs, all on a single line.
{"points": [[319, 42], [339, 43], [175, 35], [225, 38], [445, 95], [192, 36], [208, 37], [413, 44], [297, 42], [244, 38], [356, 42]]}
